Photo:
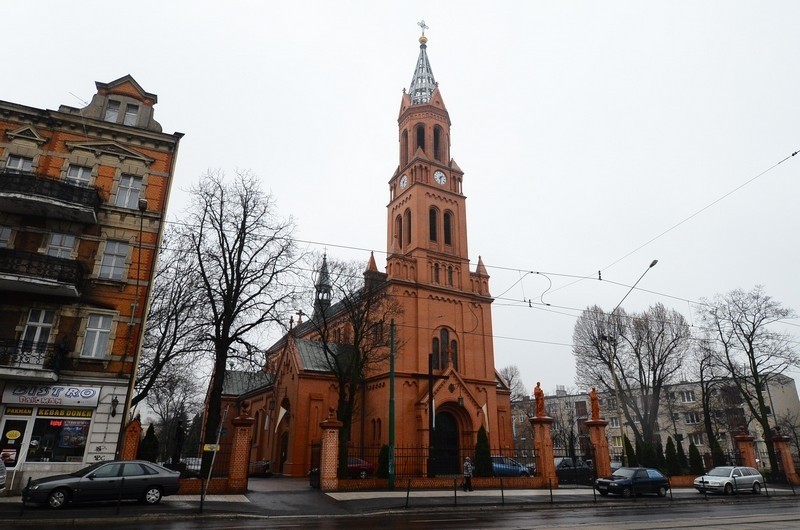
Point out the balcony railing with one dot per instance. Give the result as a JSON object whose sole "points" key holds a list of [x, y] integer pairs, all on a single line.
{"points": [[40, 273], [85, 201], [30, 355]]}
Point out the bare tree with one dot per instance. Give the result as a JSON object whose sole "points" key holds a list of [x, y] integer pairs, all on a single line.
{"points": [[353, 334], [174, 329], [705, 365], [173, 401], [645, 349], [513, 380], [750, 351], [245, 258]]}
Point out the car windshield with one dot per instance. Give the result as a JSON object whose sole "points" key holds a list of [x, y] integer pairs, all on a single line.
{"points": [[625, 472], [720, 472]]}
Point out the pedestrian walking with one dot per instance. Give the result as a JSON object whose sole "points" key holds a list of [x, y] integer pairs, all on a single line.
{"points": [[467, 474]]}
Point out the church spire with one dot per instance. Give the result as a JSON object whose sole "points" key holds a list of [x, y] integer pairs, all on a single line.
{"points": [[422, 84], [323, 289]]}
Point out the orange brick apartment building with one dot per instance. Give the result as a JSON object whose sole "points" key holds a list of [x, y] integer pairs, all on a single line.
{"points": [[82, 199], [446, 313]]}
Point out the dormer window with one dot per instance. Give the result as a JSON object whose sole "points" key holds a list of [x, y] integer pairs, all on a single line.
{"points": [[112, 111], [131, 113]]}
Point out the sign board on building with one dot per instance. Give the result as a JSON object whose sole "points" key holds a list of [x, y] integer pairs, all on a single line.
{"points": [[59, 395]]}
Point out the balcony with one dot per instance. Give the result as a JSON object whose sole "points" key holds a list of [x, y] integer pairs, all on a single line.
{"points": [[30, 272], [29, 361], [29, 194]]}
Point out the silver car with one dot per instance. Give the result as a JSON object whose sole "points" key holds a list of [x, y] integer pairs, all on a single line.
{"points": [[730, 479]]}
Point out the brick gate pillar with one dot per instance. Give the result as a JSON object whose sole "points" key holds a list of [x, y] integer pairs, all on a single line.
{"points": [[543, 446], [240, 452], [131, 438], [744, 442], [329, 453], [782, 445], [597, 436]]}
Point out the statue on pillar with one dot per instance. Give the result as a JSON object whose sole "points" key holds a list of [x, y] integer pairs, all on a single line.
{"points": [[538, 395], [595, 401]]}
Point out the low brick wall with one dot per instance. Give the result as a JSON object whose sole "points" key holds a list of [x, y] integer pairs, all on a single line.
{"points": [[425, 483], [191, 486]]}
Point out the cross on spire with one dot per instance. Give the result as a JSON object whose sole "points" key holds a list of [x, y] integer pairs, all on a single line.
{"points": [[424, 26]]}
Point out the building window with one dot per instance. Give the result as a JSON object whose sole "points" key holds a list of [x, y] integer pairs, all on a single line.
{"points": [[613, 421], [687, 396], [692, 418], [79, 175], [454, 354], [432, 222], [398, 231], [611, 402], [407, 226], [37, 330], [435, 354], [58, 440], [19, 163], [436, 273], [421, 137], [5, 236], [696, 438], [112, 265], [131, 112], [616, 441], [450, 276], [448, 221], [128, 191], [444, 337], [112, 111], [60, 246], [95, 342]]}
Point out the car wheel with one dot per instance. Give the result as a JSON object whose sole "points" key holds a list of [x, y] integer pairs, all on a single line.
{"points": [[626, 492], [603, 493], [525, 474], [662, 491], [756, 488], [152, 495], [362, 474], [728, 489], [58, 498]]}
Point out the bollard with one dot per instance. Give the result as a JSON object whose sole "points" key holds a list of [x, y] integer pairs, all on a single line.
{"points": [[550, 482], [502, 493], [455, 493], [408, 491]]}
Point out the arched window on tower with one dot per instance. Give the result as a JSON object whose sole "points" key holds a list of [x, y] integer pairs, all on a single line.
{"points": [[435, 354], [450, 276], [404, 149], [447, 226], [438, 139], [398, 231], [444, 337], [436, 273], [420, 132], [454, 354], [407, 226], [433, 217]]}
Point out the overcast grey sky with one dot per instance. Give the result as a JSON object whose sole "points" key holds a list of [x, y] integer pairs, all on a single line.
{"points": [[585, 130]]}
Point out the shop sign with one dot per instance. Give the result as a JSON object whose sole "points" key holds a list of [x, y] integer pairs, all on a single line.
{"points": [[19, 411], [65, 413], [29, 394]]}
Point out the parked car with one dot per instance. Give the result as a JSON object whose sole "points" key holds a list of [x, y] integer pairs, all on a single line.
{"points": [[503, 466], [730, 479], [357, 468], [2, 475], [628, 481], [573, 471], [102, 481]]}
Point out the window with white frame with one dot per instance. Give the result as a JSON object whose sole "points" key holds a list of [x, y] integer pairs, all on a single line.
{"points": [[79, 175], [112, 265], [19, 163], [95, 341], [60, 245], [616, 441], [613, 421], [112, 111], [687, 396], [37, 330], [696, 438], [692, 418], [611, 402], [5, 236], [128, 191], [131, 112]]}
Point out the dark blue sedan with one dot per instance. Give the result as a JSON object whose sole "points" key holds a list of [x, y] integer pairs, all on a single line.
{"points": [[503, 466], [628, 481]]}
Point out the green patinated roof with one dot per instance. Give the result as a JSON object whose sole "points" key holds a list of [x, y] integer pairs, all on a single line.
{"points": [[312, 354], [238, 382]]}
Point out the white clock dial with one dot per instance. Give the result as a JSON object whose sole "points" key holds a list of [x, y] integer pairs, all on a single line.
{"points": [[403, 181], [439, 177]]}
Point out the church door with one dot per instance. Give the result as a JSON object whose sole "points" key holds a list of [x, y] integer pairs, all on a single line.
{"points": [[445, 445]]}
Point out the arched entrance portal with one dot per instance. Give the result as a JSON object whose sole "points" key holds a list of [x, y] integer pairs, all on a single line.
{"points": [[446, 452]]}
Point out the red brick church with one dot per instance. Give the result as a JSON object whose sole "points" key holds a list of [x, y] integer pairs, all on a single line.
{"points": [[446, 316]]}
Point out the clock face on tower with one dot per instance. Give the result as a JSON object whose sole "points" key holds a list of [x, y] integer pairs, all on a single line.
{"points": [[439, 177], [403, 181]]}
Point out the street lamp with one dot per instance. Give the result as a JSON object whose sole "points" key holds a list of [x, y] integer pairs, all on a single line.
{"points": [[613, 342]]}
